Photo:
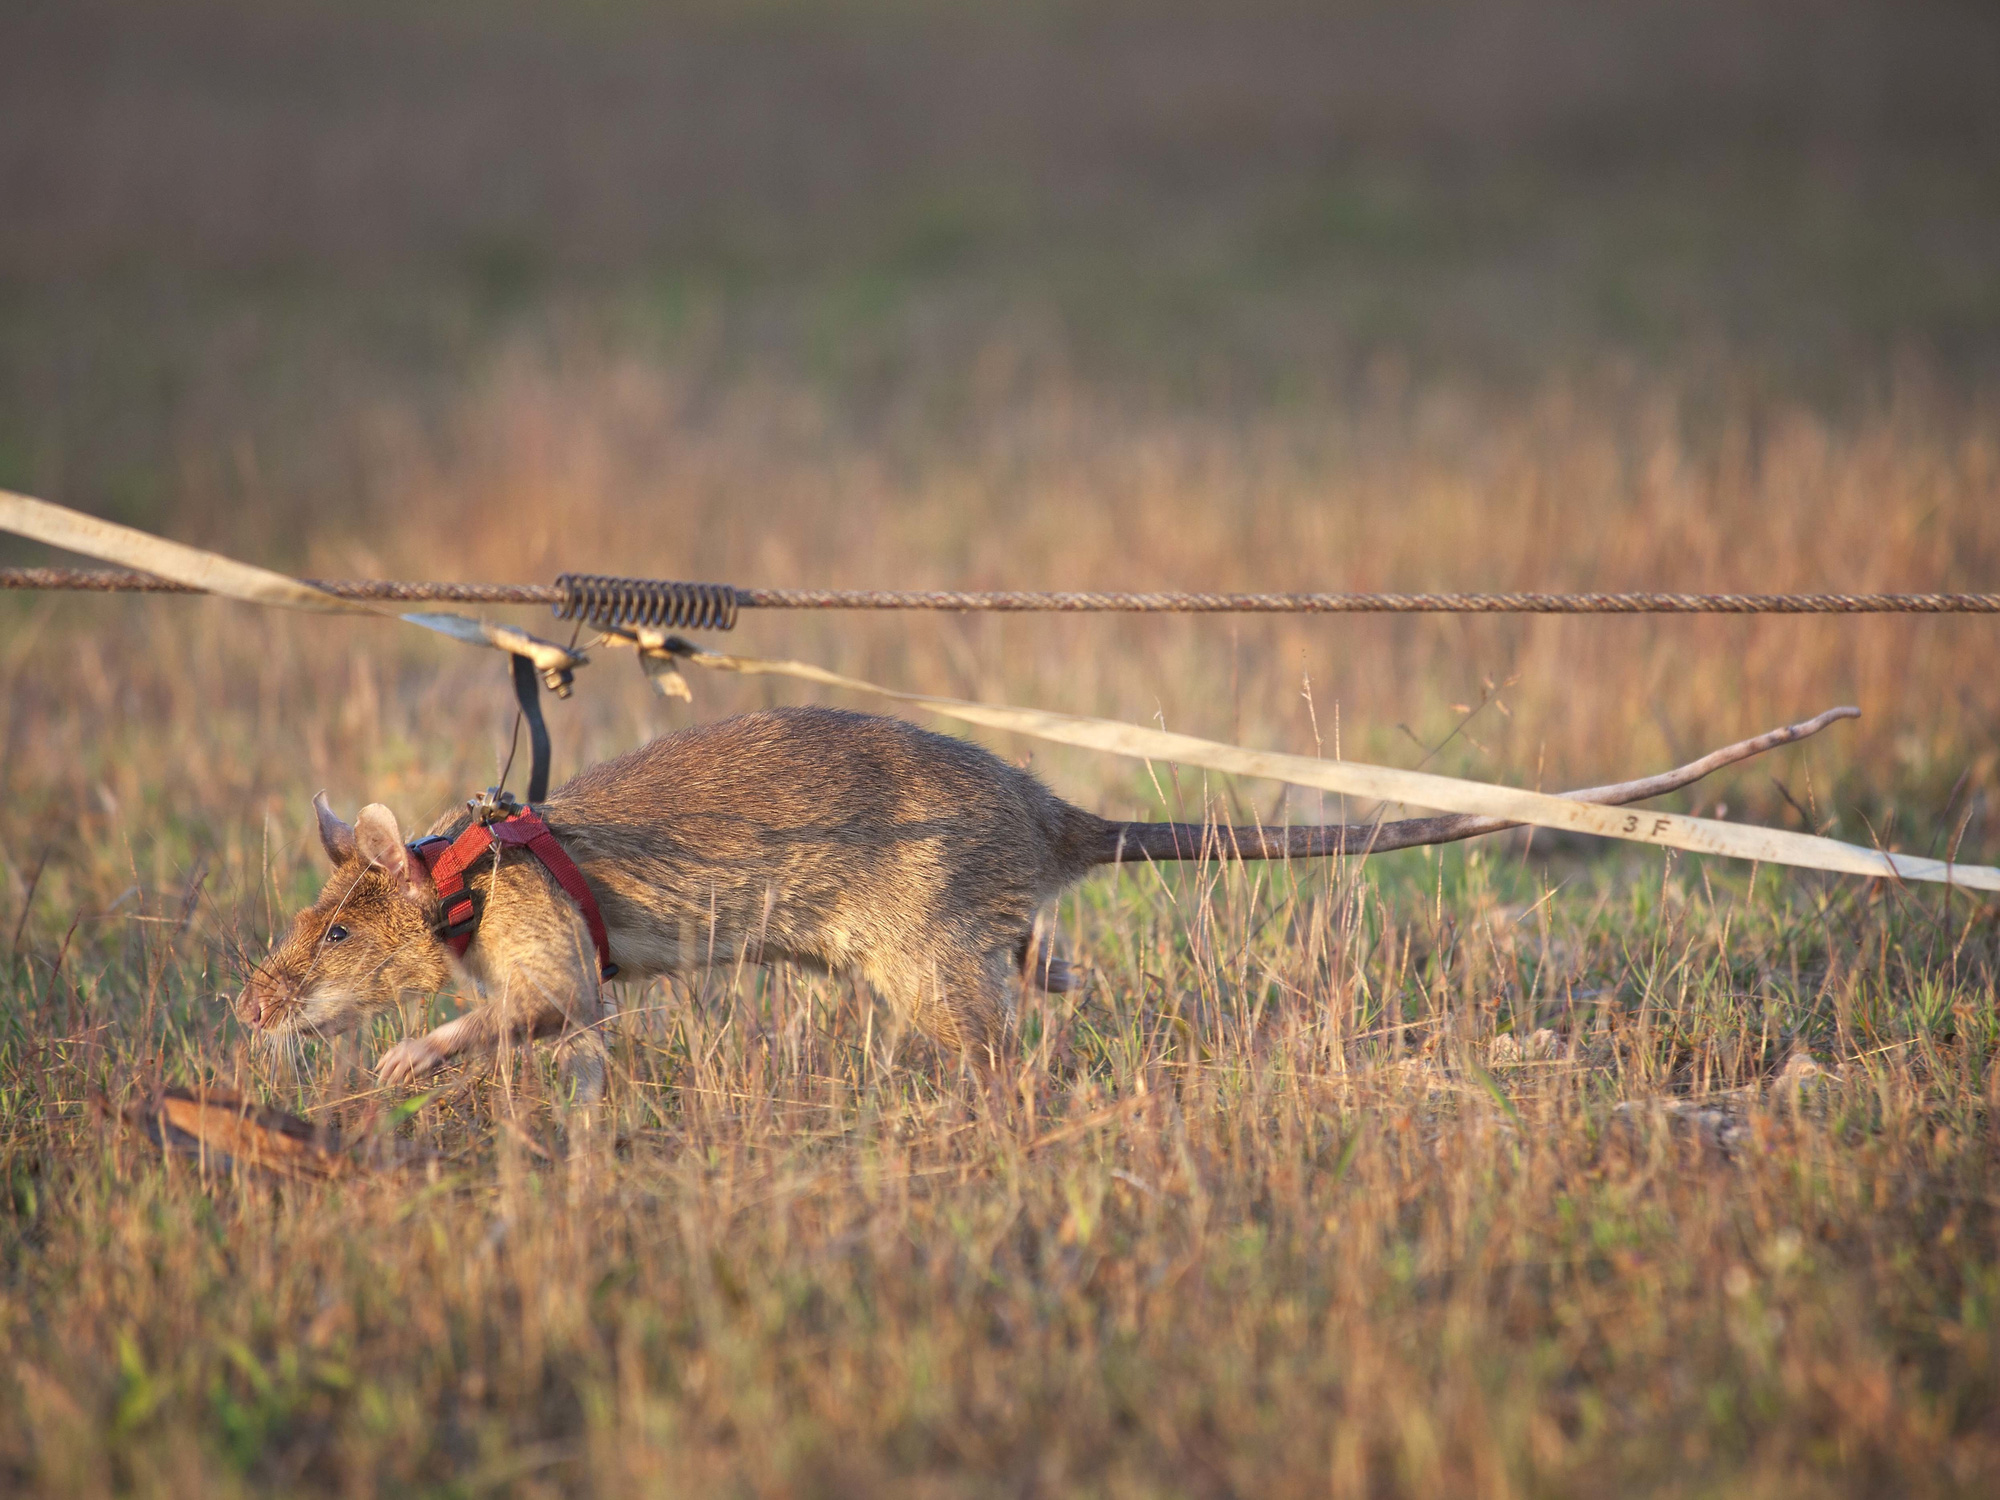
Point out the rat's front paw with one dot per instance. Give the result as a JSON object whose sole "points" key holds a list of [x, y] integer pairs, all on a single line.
{"points": [[410, 1060]]}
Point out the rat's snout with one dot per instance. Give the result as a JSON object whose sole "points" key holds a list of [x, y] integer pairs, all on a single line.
{"points": [[262, 1000]]}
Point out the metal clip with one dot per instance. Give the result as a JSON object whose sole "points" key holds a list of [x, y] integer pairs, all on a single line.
{"points": [[494, 805]]}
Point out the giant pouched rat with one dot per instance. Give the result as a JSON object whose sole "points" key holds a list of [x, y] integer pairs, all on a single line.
{"points": [[845, 841]]}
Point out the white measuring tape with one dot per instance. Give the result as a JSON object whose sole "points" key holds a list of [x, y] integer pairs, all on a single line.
{"points": [[72, 530], [77, 532]]}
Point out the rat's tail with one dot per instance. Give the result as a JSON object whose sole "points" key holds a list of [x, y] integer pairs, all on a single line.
{"points": [[1124, 843], [1098, 842]]}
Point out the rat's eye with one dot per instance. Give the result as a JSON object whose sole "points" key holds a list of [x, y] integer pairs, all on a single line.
{"points": [[336, 933]]}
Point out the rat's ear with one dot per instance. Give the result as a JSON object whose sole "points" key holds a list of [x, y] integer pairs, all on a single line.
{"points": [[334, 836], [380, 842]]}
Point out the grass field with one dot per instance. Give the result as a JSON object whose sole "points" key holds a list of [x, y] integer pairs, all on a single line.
{"points": [[1527, 1167]]}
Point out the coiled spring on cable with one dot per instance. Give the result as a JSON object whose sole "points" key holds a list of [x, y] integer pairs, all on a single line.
{"points": [[607, 602]]}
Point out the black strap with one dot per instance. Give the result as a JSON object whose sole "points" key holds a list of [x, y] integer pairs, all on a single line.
{"points": [[528, 689]]}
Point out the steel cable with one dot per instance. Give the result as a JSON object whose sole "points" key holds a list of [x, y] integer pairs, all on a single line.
{"points": [[606, 601]]}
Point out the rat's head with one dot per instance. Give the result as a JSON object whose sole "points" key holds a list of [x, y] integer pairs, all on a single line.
{"points": [[366, 940]]}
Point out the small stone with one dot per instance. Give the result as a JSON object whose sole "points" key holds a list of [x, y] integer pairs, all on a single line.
{"points": [[1800, 1069], [1509, 1049]]}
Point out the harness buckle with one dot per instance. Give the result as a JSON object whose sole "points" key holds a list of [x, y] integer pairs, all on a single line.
{"points": [[473, 902]]}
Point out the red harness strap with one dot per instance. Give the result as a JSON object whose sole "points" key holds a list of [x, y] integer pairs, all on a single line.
{"points": [[449, 859]]}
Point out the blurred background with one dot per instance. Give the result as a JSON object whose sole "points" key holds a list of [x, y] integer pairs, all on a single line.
{"points": [[1616, 294]]}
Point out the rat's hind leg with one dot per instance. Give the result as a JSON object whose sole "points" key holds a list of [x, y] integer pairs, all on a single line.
{"points": [[1039, 957], [960, 1001]]}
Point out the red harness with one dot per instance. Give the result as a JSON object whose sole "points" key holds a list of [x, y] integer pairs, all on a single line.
{"points": [[449, 859]]}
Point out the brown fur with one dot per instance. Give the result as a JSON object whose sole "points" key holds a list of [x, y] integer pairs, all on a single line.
{"points": [[845, 841]]}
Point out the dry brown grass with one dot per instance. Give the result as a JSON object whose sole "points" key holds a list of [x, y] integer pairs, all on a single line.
{"points": [[1289, 1198], [1257, 1219]]}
